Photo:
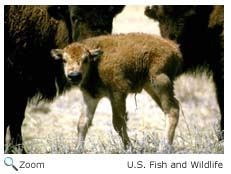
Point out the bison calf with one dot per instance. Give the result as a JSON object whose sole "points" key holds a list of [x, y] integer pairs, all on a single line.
{"points": [[115, 65]]}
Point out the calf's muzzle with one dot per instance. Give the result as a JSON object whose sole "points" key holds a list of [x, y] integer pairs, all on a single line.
{"points": [[75, 77]]}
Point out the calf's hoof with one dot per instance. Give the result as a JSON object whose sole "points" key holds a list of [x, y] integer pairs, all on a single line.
{"points": [[165, 148]]}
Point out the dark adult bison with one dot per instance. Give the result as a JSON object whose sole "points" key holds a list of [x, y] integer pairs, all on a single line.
{"points": [[87, 20], [200, 32], [30, 33]]}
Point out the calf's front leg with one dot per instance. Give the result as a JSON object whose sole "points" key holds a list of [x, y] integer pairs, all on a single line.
{"points": [[85, 119]]}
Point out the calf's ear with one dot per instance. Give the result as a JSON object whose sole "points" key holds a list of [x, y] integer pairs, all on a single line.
{"points": [[95, 54], [57, 54]]}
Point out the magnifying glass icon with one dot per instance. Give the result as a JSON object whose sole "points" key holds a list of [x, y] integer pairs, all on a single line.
{"points": [[8, 161]]}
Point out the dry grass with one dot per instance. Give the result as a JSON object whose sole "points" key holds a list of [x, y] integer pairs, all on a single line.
{"points": [[52, 128]]}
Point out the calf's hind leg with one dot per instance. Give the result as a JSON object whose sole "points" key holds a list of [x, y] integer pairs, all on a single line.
{"points": [[118, 103], [160, 87]]}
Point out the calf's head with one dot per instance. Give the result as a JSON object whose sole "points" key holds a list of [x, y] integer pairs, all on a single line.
{"points": [[77, 61]]}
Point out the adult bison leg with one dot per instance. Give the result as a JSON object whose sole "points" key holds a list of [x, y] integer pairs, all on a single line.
{"points": [[219, 82], [14, 117], [160, 88], [85, 120], [6, 124], [118, 103]]}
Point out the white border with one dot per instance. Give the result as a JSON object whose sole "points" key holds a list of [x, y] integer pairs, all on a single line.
{"points": [[115, 163]]}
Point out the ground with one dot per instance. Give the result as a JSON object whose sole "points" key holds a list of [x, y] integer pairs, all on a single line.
{"points": [[52, 128]]}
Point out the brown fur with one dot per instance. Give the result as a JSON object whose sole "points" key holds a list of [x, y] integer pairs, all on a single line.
{"points": [[128, 64], [130, 57]]}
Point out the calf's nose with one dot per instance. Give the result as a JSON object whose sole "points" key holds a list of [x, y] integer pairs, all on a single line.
{"points": [[75, 76]]}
